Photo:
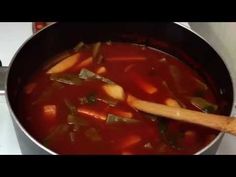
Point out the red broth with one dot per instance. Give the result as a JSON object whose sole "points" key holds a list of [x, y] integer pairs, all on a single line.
{"points": [[73, 119]]}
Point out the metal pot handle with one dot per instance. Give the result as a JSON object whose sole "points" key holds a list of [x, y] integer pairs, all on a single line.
{"points": [[3, 76]]}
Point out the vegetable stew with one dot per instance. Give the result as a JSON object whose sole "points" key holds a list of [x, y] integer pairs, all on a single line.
{"points": [[68, 108]]}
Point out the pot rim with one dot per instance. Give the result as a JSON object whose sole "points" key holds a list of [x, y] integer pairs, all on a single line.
{"points": [[217, 138]]}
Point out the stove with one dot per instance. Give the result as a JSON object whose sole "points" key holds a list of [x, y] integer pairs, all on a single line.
{"points": [[12, 36]]}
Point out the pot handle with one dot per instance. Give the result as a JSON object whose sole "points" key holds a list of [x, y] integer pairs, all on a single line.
{"points": [[3, 76]]}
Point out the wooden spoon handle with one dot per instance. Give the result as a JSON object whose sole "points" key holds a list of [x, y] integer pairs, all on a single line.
{"points": [[221, 123]]}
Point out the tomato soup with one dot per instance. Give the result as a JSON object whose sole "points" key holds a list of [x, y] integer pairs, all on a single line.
{"points": [[67, 104]]}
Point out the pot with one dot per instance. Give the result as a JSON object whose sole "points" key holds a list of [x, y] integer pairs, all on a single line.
{"points": [[169, 37]]}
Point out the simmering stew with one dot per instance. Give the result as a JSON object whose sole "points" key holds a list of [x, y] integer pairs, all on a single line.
{"points": [[67, 104]]}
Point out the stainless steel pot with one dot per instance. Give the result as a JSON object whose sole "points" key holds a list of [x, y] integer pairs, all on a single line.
{"points": [[58, 37]]}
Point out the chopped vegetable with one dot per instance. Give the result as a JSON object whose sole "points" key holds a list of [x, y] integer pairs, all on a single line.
{"points": [[70, 106], [111, 119], [64, 64], [203, 105], [89, 99], [57, 131], [190, 138], [101, 70], [84, 63], [170, 139], [91, 113], [93, 134], [108, 101], [100, 59], [70, 79], [114, 91], [171, 102], [129, 141], [73, 119], [78, 46], [29, 88], [56, 59], [83, 100], [50, 111], [128, 58], [96, 49], [179, 102], [148, 146], [87, 75], [97, 57], [144, 84], [122, 113]]}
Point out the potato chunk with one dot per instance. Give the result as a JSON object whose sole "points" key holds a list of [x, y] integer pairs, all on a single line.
{"points": [[114, 91]]}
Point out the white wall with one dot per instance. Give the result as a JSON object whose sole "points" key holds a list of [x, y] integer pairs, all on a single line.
{"points": [[222, 36]]}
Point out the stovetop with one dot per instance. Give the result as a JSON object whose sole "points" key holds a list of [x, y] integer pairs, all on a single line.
{"points": [[12, 36]]}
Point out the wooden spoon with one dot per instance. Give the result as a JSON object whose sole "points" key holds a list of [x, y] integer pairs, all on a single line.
{"points": [[217, 122]]}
